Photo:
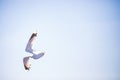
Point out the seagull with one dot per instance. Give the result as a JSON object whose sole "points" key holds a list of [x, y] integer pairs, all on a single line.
{"points": [[36, 54]]}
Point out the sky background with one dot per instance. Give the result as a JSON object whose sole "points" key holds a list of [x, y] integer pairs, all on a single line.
{"points": [[81, 39]]}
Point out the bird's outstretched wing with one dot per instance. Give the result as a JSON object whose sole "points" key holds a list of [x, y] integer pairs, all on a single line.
{"points": [[29, 47], [26, 63]]}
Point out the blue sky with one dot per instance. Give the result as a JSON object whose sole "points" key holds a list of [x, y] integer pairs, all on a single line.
{"points": [[81, 39]]}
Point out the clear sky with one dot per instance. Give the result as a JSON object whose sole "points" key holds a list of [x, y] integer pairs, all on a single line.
{"points": [[81, 39]]}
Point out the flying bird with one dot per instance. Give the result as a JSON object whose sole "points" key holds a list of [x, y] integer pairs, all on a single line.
{"points": [[36, 54]]}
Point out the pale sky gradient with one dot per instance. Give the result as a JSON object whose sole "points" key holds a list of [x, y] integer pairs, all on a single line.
{"points": [[81, 39]]}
